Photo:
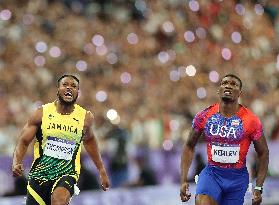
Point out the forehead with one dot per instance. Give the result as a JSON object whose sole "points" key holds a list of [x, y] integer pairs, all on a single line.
{"points": [[230, 79], [69, 79]]}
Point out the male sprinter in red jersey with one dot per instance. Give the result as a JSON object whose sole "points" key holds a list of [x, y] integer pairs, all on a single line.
{"points": [[228, 128], [59, 129]]}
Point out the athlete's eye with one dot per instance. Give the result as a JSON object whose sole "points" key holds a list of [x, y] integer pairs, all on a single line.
{"points": [[234, 84], [224, 82]]}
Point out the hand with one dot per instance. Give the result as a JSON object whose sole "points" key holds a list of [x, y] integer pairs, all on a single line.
{"points": [[104, 180], [257, 198], [17, 170], [184, 192]]}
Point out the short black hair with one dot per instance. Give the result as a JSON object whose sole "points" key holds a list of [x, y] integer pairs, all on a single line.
{"points": [[233, 76], [66, 75]]}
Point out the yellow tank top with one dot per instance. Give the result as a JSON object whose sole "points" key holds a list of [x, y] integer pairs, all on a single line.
{"points": [[58, 144]]}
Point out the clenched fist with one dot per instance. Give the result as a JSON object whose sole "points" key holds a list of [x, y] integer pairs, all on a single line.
{"points": [[17, 170]]}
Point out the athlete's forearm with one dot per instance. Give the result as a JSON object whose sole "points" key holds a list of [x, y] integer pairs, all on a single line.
{"points": [[186, 160], [262, 168], [92, 149], [20, 151]]}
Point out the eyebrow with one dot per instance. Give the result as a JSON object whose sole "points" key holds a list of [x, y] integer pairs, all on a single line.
{"points": [[234, 80]]}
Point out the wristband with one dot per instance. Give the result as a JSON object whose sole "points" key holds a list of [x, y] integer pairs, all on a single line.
{"points": [[259, 188]]}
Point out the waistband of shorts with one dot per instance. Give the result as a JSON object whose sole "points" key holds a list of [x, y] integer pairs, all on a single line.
{"points": [[240, 170]]}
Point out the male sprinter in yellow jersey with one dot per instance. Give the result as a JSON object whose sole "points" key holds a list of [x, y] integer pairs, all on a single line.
{"points": [[59, 128]]}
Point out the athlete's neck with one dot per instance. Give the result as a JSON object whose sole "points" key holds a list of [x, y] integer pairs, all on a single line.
{"points": [[228, 109], [64, 109]]}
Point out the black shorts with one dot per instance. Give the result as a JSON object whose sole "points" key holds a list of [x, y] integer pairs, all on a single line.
{"points": [[40, 193]]}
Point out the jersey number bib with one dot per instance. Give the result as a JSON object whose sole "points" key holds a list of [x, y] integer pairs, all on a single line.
{"points": [[59, 148], [225, 154]]}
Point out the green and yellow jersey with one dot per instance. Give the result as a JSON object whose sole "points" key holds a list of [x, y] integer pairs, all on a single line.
{"points": [[58, 144]]}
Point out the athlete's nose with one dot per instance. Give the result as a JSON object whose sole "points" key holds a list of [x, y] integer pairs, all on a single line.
{"points": [[228, 86]]}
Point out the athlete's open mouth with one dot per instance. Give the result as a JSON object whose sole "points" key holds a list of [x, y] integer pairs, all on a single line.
{"points": [[68, 94], [227, 92]]}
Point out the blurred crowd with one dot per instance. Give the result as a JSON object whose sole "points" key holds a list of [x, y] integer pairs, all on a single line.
{"points": [[145, 66]]}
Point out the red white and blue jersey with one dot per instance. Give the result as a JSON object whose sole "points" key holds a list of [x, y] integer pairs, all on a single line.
{"points": [[228, 139]]}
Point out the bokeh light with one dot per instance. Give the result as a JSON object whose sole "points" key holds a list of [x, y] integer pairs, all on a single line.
{"points": [[201, 92], [163, 57], [28, 19], [167, 145], [98, 40], [112, 58], [125, 77], [236, 37], [81, 65], [191, 70], [201, 33], [101, 96], [189, 36], [174, 125], [39, 60], [226, 53], [168, 27], [194, 5], [259, 9], [41, 47], [240, 9], [140, 5], [5, 15], [132, 38], [54, 52], [101, 50], [174, 75], [112, 114], [214, 76]]}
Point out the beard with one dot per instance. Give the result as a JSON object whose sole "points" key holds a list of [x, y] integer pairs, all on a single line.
{"points": [[67, 103]]}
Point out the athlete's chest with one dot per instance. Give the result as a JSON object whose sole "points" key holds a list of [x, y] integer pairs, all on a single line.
{"points": [[219, 128], [54, 124]]}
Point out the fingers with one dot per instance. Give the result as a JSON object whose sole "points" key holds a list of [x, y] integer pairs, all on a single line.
{"points": [[18, 170], [105, 183], [104, 180], [105, 186], [184, 192], [257, 200], [185, 196]]}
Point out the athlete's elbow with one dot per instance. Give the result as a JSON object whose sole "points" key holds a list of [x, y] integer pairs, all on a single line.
{"points": [[264, 155]]}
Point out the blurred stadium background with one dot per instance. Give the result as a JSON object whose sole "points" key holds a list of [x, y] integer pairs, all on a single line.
{"points": [[146, 67]]}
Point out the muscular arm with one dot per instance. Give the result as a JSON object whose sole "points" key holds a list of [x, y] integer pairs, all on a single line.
{"points": [[25, 138], [91, 146], [186, 160], [188, 154], [262, 166], [262, 159]]}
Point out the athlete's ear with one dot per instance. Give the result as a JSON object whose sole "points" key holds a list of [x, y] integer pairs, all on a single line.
{"points": [[240, 93]]}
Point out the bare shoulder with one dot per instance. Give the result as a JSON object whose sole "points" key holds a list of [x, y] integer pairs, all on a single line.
{"points": [[36, 117], [260, 145], [88, 122], [193, 137]]}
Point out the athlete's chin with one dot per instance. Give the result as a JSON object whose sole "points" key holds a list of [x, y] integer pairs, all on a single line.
{"points": [[67, 101], [227, 99]]}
